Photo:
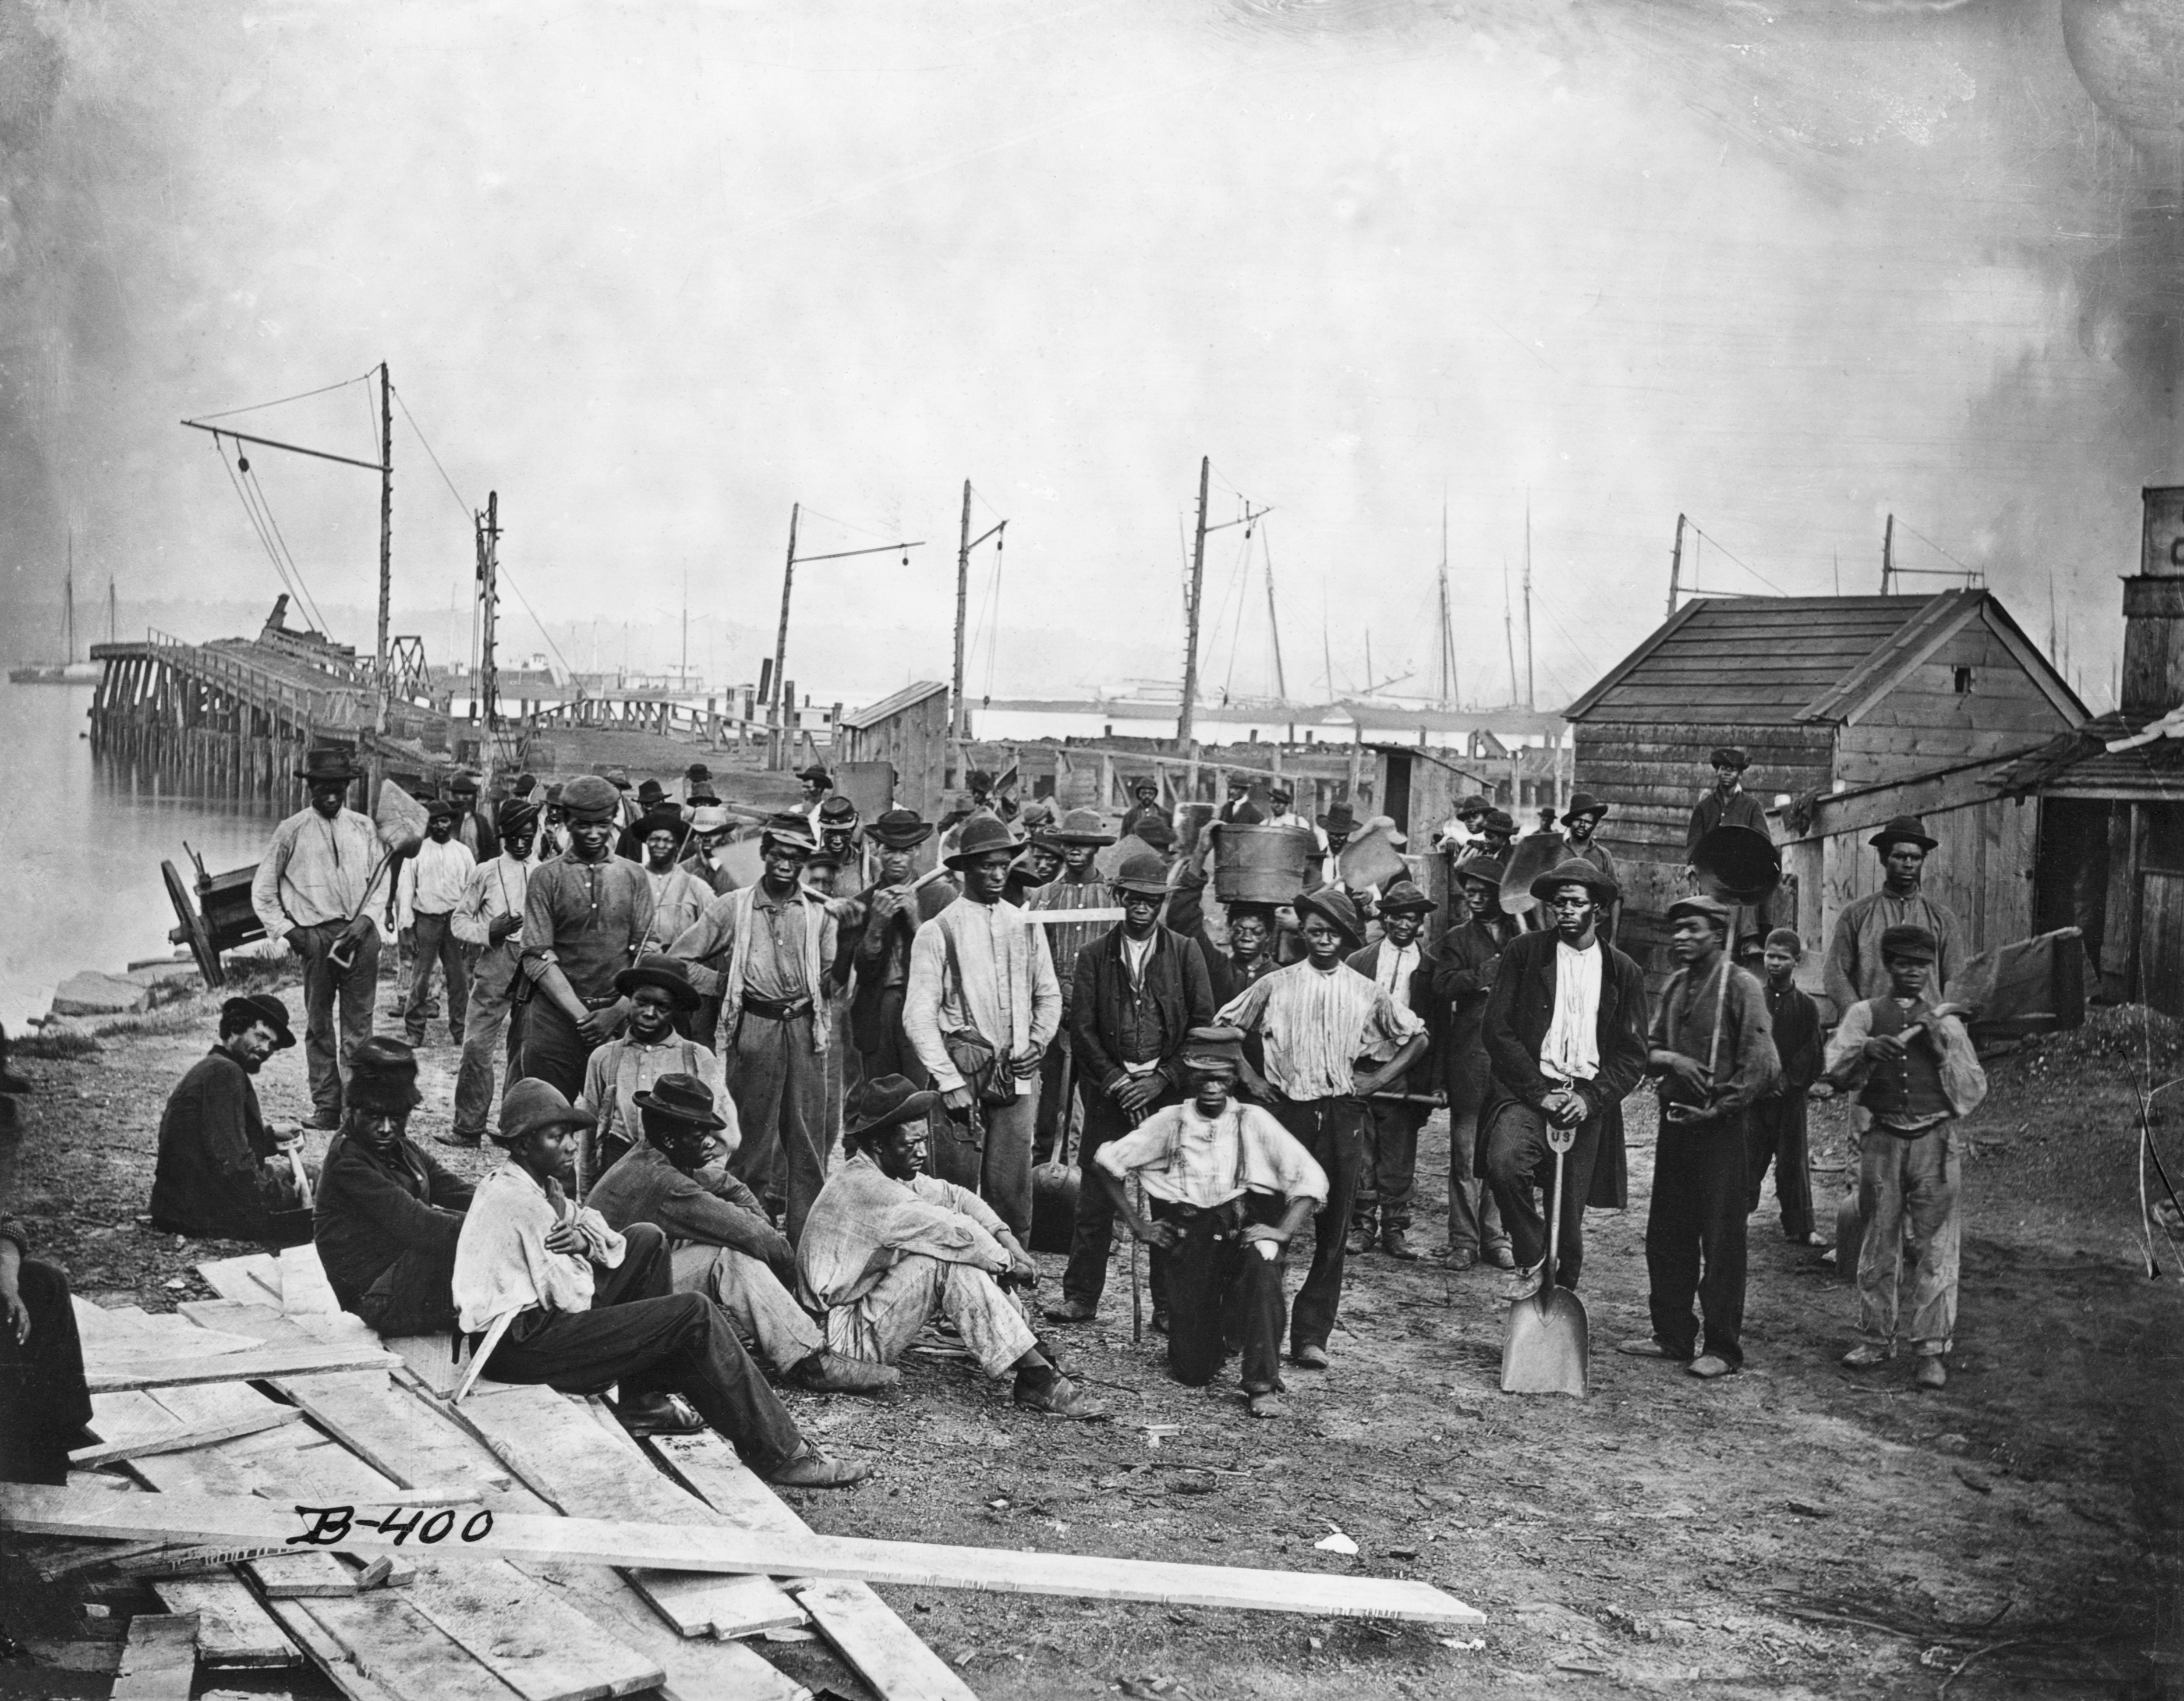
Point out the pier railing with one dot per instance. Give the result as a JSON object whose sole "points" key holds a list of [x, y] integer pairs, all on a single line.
{"points": [[330, 706], [674, 718]]}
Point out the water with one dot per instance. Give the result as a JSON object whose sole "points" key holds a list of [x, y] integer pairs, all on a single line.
{"points": [[86, 843]]}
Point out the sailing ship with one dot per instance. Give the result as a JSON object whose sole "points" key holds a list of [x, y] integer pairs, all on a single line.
{"points": [[71, 671]]}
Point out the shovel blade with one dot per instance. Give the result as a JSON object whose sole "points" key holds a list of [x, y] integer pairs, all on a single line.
{"points": [[1548, 1348]]}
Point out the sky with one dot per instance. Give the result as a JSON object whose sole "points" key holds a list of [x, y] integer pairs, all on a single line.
{"points": [[655, 272]]}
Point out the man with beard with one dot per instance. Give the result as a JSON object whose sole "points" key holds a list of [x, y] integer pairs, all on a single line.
{"points": [[389, 1213], [222, 1174], [1402, 965], [623, 1069], [490, 923], [432, 888], [1470, 958], [586, 916], [893, 913]]}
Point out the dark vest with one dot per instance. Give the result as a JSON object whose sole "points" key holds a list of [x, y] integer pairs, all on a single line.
{"points": [[1908, 1086]]}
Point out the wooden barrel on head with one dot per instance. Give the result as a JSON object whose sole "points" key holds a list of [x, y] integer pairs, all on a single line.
{"points": [[1261, 864]]}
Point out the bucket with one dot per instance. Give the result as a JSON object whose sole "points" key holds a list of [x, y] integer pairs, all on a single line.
{"points": [[1261, 864]]}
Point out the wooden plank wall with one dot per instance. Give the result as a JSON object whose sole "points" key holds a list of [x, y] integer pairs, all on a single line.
{"points": [[1982, 869], [1651, 773], [1926, 723], [915, 741]]}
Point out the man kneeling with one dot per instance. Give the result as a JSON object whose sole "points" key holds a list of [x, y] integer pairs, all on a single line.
{"points": [[1229, 1188], [723, 1244], [588, 1307], [887, 1246]]}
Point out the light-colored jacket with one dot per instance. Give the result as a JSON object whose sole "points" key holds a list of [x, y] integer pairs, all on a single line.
{"points": [[720, 935], [865, 1222], [501, 1262], [1007, 990], [315, 870]]}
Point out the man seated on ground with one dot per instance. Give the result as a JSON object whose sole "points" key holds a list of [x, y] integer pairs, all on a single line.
{"points": [[720, 1242], [221, 1172], [585, 1306], [1229, 1188], [886, 1247], [389, 1213], [44, 1402], [659, 991]]}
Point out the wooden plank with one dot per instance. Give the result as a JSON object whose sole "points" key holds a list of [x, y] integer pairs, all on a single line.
{"points": [[236, 1367], [398, 1648], [313, 1575], [253, 1280], [864, 1630], [328, 1654], [160, 1662], [542, 1649], [39, 1510], [180, 1438], [234, 1632]]}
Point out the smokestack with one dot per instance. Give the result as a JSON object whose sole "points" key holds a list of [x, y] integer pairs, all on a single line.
{"points": [[2152, 681]]}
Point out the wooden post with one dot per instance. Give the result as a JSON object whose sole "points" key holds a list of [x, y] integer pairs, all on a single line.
{"points": [[959, 727], [1675, 564], [1183, 720], [1106, 780], [778, 741]]}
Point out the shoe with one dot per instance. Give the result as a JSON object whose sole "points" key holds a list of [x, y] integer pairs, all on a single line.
{"points": [[1309, 1358], [1160, 1320], [1396, 1243], [1645, 1347], [1058, 1398], [325, 1121], [1459, 1257], [1071, 1311], [1525, 1282], [812, 1469], [1810, 1237], [1047, 1350], [1360, 1242], [1865, 1355], [1503, 1257], [1931, 1373], [1266, 1405], [829, 1373], [415, 1042], [658, 1415], [469, 1143], [1709, 1365], [1828, 1257]]}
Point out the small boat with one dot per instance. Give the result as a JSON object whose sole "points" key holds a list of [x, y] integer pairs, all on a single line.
{"points": [[71, 671]]}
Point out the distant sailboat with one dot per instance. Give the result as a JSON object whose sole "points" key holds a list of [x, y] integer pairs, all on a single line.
{"points": [[70, 671]]}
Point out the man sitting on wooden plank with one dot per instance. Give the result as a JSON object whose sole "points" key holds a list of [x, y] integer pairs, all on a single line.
{"points": [[617, 1074], [722, 1243], [43, 1402], [221, 1172], [1229, 1188], [582, 1307], [388, 1211], [887, 1248]]}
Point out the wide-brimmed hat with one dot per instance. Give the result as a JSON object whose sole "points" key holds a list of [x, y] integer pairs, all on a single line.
{"points": [[1478, 804], [1905, 940], [1155, 830], [1213, 1049], [531, 1105], [589, 795], [792, 832], [697, 771], [1400, 897], [1339, 819], [684, 1098], [1331, 903], [329, 762], [815, 775], [1584, 804], [667, 973], [981, 834], [886, 1101], [900, 830], [1500, 821], [1575, 870], [524, 784], [1711, 908], [1144, 873], [462, 785], [1483, 869], [651, 792], [1908, 828], [709, 818], [261, 1007], [9, 1081], [1083, 827], [668, 820], [382, 1078], [1728, 756]]}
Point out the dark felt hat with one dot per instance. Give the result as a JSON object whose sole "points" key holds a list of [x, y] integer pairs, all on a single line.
{"points": [[382, 1078], [1906, 941], [887, 1101], [616, 777], [441, 809], [697, 771], [1482, 869], [1144, 873], [684, 1098], [900, 830], [1156, 832], [1575, 870], [1728, 756], [1083, 827], [1902, 828], [1584, 804], [462, 786], [815, 775], [524, 786], [1339, 819], [1401, 896], [661, 820], [1140, 787], [981, 834], [650, 791], [1711, 909], [260, 1006], [979, 780], [667, 973], [1478, 804], [1213, 1049], [329, 762], [533, 1104], [1331, 903], [836, 814], [1500, 821]]}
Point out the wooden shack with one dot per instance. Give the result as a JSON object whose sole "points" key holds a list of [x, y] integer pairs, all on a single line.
{"points": [[1851, 710], [909, 732]]}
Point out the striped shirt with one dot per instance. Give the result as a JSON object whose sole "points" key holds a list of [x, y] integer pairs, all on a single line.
{"points": [[1318, 1025], [315, 870], [1064, 940], [1189, 1158]]}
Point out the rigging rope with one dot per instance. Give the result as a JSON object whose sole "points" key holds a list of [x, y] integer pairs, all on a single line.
{"points": [[301, 395]]}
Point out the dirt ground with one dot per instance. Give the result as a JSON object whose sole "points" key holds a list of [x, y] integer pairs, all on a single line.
{"points": [[1797, 1530]]}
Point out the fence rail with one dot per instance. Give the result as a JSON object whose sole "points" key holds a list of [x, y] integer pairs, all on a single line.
{"points": [[334, 706]]}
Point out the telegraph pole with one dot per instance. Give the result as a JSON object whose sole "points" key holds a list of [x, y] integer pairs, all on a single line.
{"points": [[958, 719], [1887, 553], [778, 731], [488, 572], [1183, 720], [1676, 564], [386, 544]]}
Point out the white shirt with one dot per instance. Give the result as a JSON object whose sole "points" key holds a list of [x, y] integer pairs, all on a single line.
{"points": [[1398, 963], [501, 1262], [1571, 1050], [435, 882], [1135, 953], [1187, 1158]]}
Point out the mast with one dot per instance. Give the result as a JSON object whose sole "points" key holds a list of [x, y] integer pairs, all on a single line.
{"points": [[958, 727], [1531, 700], [488, 569], [1509, 631], [1450, 687], [1274, 623], [110, 607], [386, 547], [1183, 720], [68, 603]]}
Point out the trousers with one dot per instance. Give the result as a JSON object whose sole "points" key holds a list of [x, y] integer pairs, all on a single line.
{"points": [[552, 1050], [326, 984], [1694, 1241], [1092, 1235], [991, 1156], [650, 1339], [1388, 1173], [490, 1015], [882, 1048], [779, 1084], [436, 944], [413, 1296], [1474, 1219], [752, 1296], [1332, 1129], [1519, 1161], [1918, 1181], [879, 1327], [1053, 1124], [1778, 1134], [1223, 1295], [44, 1402]]}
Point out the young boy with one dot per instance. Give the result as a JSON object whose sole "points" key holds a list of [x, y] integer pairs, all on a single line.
{"points": [[1777, 1124], [1920, 1076]]}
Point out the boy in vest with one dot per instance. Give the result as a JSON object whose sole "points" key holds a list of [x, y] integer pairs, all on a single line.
{"points": [[1920, 1076]]}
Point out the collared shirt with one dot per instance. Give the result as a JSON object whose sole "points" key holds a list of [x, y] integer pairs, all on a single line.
{"points": [[496, 889], [1318, 1025], [865, 1222], [1742, 1059], [1064, 940], [1187, 1158], [434, 882], [501, 1262], [679, 898], [1134, 954], [1007, 988], [774, 963], [315, 870], [587, 917], [1571, 1049], [1397, 964], [1854, 970], [620, 1069], [1963, 1080]]}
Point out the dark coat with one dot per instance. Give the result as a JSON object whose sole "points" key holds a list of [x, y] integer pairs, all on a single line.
{"points": [[1463, 977], [214, 1175], [1520, 1011], [1742, 810], [1796, 1018], [881, 956], [1175, 995], [1425, 1074], [371, 1209]]}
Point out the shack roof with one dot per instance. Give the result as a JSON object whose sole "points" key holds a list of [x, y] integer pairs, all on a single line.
{"points": [[908, 698], [1782, 661], [2079, 764]]}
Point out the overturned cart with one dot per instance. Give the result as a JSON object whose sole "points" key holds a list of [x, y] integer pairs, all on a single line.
{"points": [[220, 920]]}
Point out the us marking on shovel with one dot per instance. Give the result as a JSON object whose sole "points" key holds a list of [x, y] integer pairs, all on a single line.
{"points": [[1548, 1350]]}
